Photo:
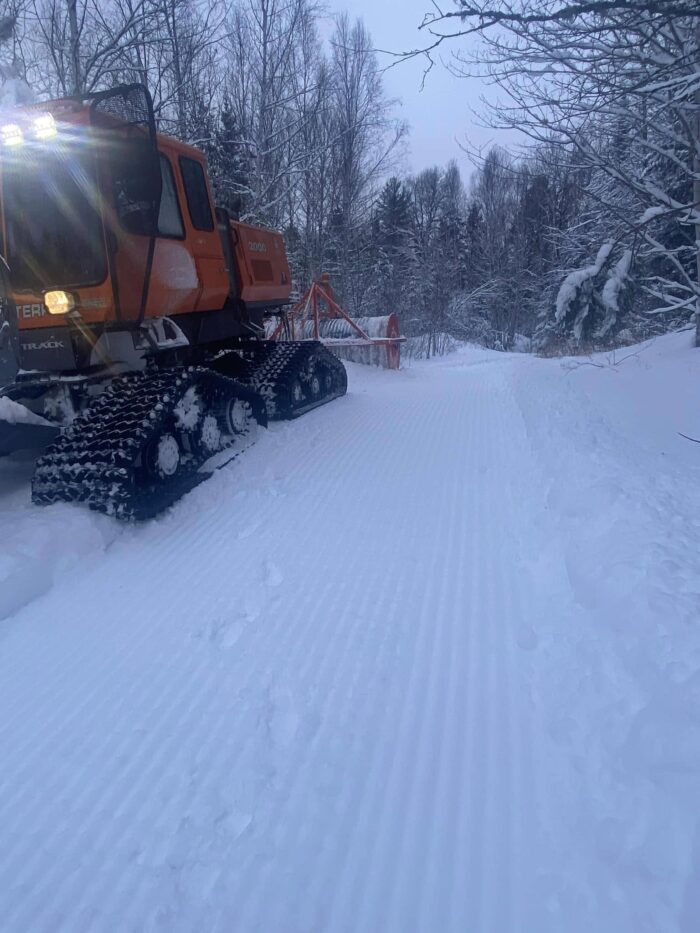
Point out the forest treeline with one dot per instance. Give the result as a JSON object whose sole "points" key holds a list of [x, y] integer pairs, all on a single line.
{"points": [[553, 249]]}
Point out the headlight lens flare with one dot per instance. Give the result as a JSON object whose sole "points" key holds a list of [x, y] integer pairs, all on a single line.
{"points": [[59, 302]]}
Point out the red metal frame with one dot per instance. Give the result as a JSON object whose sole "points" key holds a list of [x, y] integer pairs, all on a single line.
{"points": [[317, 304]]}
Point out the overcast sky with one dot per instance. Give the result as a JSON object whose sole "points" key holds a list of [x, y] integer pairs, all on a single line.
{"points": [[439, 115]]}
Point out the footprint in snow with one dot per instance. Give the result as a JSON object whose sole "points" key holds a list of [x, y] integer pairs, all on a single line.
{"points": [[283, 719], [231, 634], [221, 632], [248, 532], [527, 638], [272, 574]]}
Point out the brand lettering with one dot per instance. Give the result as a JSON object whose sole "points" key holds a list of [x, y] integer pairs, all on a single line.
{"points": [[46, 345], [29, 311], [255, 246]]}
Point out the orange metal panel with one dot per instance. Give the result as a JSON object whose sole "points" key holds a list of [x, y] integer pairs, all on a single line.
{"points": [[261, 260]]}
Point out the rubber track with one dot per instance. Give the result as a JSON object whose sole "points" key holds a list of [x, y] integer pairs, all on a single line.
{"points": [[274, 375], [96, 460]]}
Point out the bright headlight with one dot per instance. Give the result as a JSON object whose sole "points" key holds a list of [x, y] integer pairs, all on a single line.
{"points": [[11, 134], [59, 302], [44, 126]]}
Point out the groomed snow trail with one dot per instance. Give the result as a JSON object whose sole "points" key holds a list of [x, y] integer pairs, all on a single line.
{"points": [[323, 693]]}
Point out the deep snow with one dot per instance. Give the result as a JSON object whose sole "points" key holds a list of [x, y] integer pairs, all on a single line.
{"points": [[427, 659]]}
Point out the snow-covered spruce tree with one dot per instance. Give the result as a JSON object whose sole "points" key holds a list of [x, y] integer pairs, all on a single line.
{"points": [[391, 246], [593, 305], [230, 162], [617, 297], [438, 252], [606, 210], [496, 194], [579, 308]]}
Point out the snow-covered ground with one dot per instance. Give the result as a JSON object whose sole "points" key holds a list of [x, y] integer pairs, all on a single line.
{"points": [[427, 659]]}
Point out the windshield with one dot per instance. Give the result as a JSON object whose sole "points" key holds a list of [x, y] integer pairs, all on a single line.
{"points": [[54, 232]]}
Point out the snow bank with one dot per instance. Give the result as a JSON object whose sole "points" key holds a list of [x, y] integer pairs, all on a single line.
{"points": [[14, 413], [38, 553], [42, 546], [619, 677]]}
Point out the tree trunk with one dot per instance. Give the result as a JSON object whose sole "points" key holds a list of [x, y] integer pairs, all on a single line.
{"points": [[76, 77], [696, 187]]}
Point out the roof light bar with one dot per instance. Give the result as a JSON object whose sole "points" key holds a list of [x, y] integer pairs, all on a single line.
{"points": [[11, 134], [41, 127], [44, 126]]}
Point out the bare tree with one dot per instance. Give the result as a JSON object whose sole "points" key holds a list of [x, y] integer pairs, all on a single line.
{"points": [[272, 74], [365, 141], [81, 41]]}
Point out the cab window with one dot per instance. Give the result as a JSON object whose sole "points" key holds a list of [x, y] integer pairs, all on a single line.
{"points": [[197, 195], [135, 197], [169, 216]]}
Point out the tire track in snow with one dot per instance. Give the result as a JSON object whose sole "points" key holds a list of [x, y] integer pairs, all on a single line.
{"points": [[441, 890], [298, 636], [390, 846], [495, 870], [426, 763], [483, 644], [324, 661], [357, 885]]}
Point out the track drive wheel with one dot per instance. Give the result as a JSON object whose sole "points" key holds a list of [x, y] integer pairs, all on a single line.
{"points": [[210, 438], [238, 417], [296, 394], [317, 383], [161, 458]]}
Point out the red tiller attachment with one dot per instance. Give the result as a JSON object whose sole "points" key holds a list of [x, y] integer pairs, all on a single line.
{"points": [[318, 316]]}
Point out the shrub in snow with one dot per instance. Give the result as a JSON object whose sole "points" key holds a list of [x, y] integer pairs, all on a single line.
{"points": [[468, 315], [425, 346], [626, 336], [521, 344]]}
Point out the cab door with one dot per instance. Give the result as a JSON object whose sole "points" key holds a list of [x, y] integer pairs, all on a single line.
{"points": [[175, 284], [203, 235], [125, 136], [155, 271]]}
